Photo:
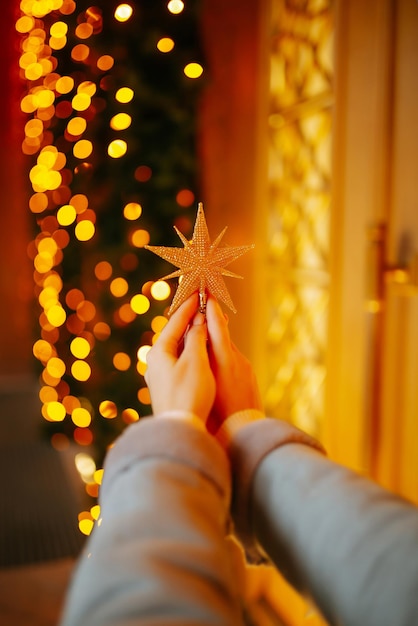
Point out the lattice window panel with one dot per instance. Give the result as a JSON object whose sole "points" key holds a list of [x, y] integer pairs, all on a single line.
{"points": [[300, 116]]}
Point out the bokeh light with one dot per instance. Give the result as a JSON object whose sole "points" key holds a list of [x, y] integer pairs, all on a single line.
{"points": [[117, 148], [175, 6], [193, 70], [132, 211], [84, 133], [165, 44], [124, 95], [160, 290], [123, 12]]}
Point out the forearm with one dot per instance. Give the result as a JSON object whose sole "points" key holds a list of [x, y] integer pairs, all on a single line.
{"points": [[338, 537], [159, 555]]}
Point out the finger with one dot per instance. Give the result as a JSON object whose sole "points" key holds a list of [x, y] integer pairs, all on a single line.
{"points": [[217, 329], [173, 331], [195, 344]]}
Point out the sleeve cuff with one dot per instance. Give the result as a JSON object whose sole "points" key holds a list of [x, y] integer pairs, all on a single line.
{"points": [[250, 444], [181, 440]]}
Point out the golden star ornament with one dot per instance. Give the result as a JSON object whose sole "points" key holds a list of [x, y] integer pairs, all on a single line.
{"points": [[202, 265]]}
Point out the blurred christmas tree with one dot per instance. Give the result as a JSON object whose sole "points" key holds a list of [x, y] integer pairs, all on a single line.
{"points": [[111, 93]]}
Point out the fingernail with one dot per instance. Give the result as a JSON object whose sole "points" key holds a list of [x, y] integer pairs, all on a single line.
{"points": [[199, 319]]}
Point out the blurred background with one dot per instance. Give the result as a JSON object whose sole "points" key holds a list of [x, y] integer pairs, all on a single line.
{"points": [[294, 122]]}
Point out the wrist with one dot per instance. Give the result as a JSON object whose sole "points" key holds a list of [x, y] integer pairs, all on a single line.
{"points": [[234, 423], [182, 415]]}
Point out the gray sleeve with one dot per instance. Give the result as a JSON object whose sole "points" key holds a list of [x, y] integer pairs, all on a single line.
{"points": [[159, 554], [338, 537]]}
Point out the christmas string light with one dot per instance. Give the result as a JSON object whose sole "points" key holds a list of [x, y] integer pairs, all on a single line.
{"points": [[101, 186]]}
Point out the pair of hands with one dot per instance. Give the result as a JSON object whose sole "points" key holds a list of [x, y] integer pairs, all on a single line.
{"points": [[195, 367]]}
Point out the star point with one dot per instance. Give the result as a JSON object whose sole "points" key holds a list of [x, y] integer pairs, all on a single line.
{"points": [[201, 264]]}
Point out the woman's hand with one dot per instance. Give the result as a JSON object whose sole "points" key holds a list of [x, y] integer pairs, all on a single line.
{"points": [[178, 375], [236, 384]]}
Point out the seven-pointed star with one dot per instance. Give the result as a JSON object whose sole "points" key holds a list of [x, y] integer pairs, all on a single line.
{"points": [[201, 263]]}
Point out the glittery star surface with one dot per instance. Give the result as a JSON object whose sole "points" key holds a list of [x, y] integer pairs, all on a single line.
{"points": [[202, 264]]}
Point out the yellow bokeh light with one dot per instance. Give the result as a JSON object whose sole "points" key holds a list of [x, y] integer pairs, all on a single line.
{"points": [[87, 87], [175, 6], [86, 526], [27, 59], [142, 353], [45, 98], [48, 158], [42, 350], [83, 149], [141, 367], [34, 71], [121, 361], [81, 417], [140, 238], [119, 287], [28, 104], [43, 262], [25, 24], [80, 347], [48, 394], [132, 211], [34, 128], [58, 29], [81, 101], [57, 43], [56, 411], [124, 95], [56, 315], [48, 245], [165, 44], [64, 84], [47, 298], [84, 230], [193, 70], [50, 380], [56, 367], [108, 409], [98, 476], [123, 12], [140, 303], [77, 126], [66, 215], [95, 511], [120, 121], [158, 323], [81, 371], [117, 148], [160, 290], [144, 396]]}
